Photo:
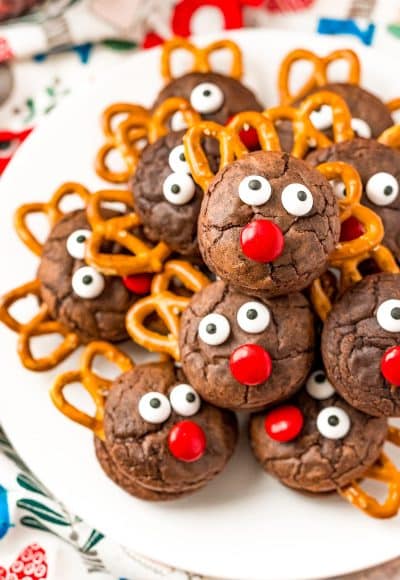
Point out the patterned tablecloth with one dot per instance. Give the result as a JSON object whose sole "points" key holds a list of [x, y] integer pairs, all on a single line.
{"points": [[39, 537]]}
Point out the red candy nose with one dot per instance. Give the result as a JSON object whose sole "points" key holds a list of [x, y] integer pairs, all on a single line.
{"points": [[138, 283], [250, 364], [390, 365], [351, 229], [262, 241], [284, 423], [187, 441], [248, 136]]}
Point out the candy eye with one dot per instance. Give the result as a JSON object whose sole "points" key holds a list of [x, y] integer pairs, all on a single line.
{"points": [[87, 282], [388, 315], [382, 188], [318, 386], [76, 243], [179, 188], [177, 160], [253, 317], [207, 98], [178, 122], [323, 118], [254, 190], [154, 407], [297, 199], [184, 400], [361, 128], [339, 189], [333, 423], [214, 329]]}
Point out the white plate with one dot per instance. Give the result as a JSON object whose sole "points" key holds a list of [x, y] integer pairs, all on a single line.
{"points": [[243, 525]]}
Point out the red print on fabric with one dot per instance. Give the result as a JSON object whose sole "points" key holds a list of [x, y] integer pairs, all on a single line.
{"points": [[9, 143], [31, 564]]}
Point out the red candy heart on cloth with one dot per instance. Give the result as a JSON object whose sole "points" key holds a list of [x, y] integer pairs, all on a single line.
{"points": [[31, 564]]}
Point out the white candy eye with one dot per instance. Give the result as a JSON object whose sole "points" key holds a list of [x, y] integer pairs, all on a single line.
{"points": [[388, 315], [255, 190], [339, 189], [361, 128], [253, 317], [88, 282], [382, 188], [154, 407], [177, 160], [333, 423], [318, 386], [206, 98], [214, 329], [323, 118], [184, 400], [297, 199], [76, 243], [179, 188], [178, 122]]}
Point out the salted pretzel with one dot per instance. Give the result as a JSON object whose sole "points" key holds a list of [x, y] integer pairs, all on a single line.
{"points": [[95, 385], [167, 305], [348, 255], [120, 229], [201, 56], [384, 471], [319, 74], [139, 125]]}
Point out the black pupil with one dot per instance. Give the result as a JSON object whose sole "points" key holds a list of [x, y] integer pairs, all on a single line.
{"points": [[182, 157], [4, 145], [333, 420], [87, 279], [395, 313], [175, 188], [80, 239], [211, 328], [190, 397], [251, 314], [207, 93], [388, 190], [254, 184], [155, 403], [301, 195], [319, 377]]}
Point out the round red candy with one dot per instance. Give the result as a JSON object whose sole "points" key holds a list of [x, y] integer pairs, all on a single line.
{"points": [[138, 283], [284, 423], [262, 241], [390, 365], [187, 441], [250, 364], [351, 229]]}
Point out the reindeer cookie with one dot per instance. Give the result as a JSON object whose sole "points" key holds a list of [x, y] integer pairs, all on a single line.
{"points": [[244, 352], [154, 436]]}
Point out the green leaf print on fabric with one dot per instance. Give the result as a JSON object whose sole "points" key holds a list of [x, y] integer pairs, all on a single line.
{"points": [[27, 482], [31, 522], [92, 540], [116, 44], [43, 512]]}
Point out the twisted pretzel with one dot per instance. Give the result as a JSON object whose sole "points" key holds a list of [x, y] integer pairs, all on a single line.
{"points": [[40, 325], [319, 74], [96, 386], [393, 105], [167, 305], [391, 137], [385, 471], [201, 56], [342, 130], [141, 257], [264, 127], [51, 209]]}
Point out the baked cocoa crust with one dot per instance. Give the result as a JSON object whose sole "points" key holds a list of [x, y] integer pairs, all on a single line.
{"points": [[101, 318], [308, 240], [312, 462], [353, 345], [289, 339], [238, 97]]}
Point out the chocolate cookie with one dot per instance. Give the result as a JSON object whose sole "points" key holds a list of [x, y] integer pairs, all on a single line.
{"points": [[268, 223], [242, 352], [361, 345], [379, 169], [161, 440], [316, 442], [215, 96], [165, 195], [92, 305]]}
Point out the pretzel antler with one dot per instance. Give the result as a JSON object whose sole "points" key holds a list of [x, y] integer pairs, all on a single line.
{"points": [[262, 124], [141, 258], [167, 305], [391, 137], [342, 130], [51, 209], [385, 471], [201, 56], [319, 74], [96, 386]]}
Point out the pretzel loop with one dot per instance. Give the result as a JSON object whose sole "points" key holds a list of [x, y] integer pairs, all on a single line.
{"points": [[31, 288], [96, 386], [189, 276], [163, 113], [264, 127], [391, 137], [393, 105], [342, 129]]}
